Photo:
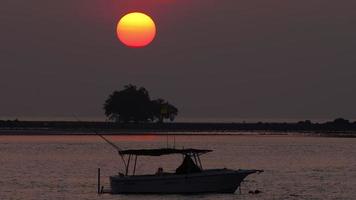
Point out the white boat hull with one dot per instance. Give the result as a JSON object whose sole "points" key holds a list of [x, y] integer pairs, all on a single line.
{"points": [[207, 181]]}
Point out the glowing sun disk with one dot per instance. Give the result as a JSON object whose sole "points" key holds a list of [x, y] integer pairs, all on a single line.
{"points": [[136, 29]]}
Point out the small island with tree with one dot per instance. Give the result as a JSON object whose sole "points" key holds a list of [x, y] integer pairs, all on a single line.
{"points": [[132, 111], [133, 104]]}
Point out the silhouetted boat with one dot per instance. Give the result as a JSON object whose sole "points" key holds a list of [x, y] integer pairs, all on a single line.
{"points": [[189, 177]]}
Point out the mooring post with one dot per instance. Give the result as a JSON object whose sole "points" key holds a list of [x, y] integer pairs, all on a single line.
{"points": [[99, 192]]}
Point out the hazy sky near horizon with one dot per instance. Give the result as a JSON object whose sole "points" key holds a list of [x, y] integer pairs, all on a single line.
{"points": [[247, 59]]}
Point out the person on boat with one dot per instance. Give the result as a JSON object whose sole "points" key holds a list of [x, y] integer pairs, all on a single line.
{"points": [[159, 171], [188, 166]]}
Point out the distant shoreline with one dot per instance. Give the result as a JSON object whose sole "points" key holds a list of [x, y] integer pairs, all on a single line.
{"points": [[337, 128], [237, 133]]}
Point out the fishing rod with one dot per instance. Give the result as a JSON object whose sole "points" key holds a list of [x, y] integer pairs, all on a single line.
{"points": [[104, 138], [108, 141]]}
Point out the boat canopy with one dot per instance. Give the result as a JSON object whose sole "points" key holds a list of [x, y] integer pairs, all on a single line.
{"points": [[163, 151]]}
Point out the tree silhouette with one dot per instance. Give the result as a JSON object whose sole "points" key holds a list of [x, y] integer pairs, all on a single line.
{"points": [[133, 104], [163, 110], [128, 105]]}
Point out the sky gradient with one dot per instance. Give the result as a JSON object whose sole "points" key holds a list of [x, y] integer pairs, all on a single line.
{"points": [[213, 59]]}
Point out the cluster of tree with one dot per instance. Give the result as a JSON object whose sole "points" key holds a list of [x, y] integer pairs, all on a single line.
{"points": [[133, 104], [339, 124]]}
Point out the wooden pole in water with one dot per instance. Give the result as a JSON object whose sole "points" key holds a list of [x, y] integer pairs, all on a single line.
{"points": [[99, 181]]}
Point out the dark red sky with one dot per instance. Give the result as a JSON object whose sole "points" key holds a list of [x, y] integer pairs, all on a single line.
{"points": [[246, 59]]}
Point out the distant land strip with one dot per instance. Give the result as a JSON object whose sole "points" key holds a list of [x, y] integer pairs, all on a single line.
{"points": [[338, 127]]}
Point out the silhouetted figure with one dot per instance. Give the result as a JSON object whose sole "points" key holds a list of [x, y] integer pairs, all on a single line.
{"points": [[188, 166]]}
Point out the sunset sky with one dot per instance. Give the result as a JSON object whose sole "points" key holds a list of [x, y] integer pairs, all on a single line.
{"points": [[213, 59]]}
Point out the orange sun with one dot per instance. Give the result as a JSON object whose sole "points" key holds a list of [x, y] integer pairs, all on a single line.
{"points": [[136, 30]]}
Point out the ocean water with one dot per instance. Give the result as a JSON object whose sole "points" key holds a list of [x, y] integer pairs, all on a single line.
{"points": [[65, 167]]}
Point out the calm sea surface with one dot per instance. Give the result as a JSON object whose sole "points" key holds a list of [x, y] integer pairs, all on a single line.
{"points": [[64, 167]]}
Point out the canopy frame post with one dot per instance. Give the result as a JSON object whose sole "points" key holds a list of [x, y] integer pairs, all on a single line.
{"points": [[128, 165], [195, 158], [201, 166], [123, 160], [134, 169]]}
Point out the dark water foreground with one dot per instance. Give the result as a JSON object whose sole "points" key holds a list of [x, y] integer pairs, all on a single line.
{"points": [[64, 167]]}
